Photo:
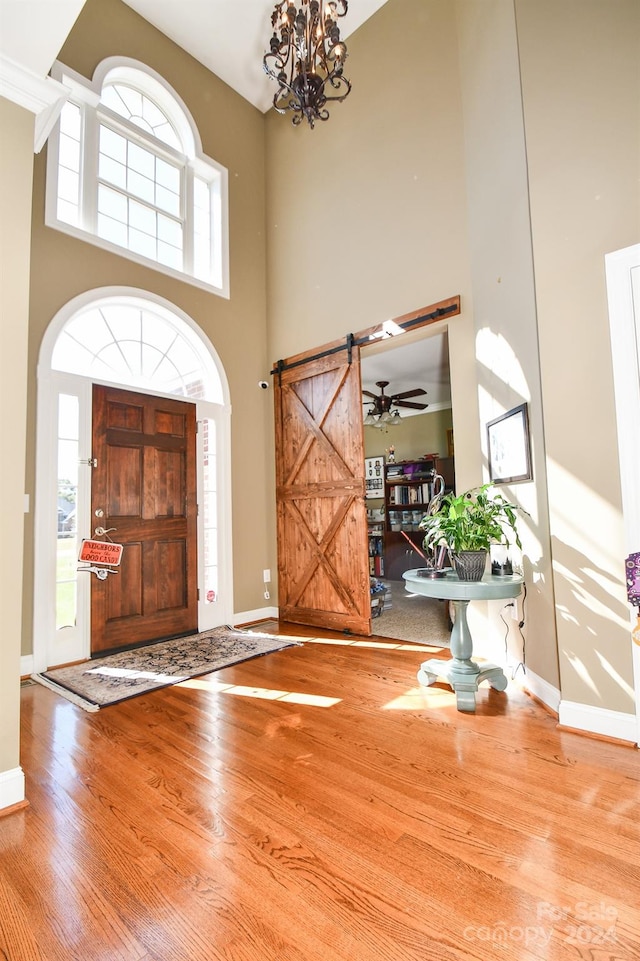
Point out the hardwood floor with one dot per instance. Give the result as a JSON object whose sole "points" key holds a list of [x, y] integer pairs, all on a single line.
{"points": [[316, 805]]}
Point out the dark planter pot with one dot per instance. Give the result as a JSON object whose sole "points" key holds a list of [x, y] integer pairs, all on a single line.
{"points": [[470, 565]]}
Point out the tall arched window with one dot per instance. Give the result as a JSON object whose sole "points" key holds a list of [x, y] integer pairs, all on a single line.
{"points": [[126, 172]]}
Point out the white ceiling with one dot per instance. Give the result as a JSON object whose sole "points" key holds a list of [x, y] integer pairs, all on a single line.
{"points": [[230, 37], [417, 363]]}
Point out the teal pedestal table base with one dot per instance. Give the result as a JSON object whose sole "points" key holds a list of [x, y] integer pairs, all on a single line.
{"points": [[461, 672]]}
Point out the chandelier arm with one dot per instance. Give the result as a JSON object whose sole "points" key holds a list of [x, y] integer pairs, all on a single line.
{"points": [[307, 59]]}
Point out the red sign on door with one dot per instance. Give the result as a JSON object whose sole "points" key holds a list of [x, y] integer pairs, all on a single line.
{"points": [[100, 552]]}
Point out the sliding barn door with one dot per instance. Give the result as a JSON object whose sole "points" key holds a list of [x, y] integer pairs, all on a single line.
{"points": [[323, 563]]}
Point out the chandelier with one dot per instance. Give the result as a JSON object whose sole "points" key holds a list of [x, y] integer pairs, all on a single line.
{"points": [[306, 58]]}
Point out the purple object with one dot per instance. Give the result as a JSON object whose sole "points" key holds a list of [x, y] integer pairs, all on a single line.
{"points": [[632, 570]]}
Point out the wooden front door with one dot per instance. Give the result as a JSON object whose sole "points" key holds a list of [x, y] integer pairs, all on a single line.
{"points": [[323, 563], [144, 487]]}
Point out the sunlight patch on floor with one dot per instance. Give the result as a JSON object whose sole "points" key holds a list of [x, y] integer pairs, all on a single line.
{"points": [[263, 693], [376, 645], [417, 698]]}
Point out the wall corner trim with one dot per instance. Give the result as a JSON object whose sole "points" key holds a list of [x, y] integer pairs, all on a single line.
{"points": [[598, 720], [542, 690], [12, 789]]}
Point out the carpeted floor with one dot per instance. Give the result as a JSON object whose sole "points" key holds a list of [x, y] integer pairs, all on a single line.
{"points": [[413, 617], [108, 680]]}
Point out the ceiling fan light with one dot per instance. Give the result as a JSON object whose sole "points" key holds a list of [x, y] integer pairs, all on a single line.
{"points": [[370, 420], [395, 419]]}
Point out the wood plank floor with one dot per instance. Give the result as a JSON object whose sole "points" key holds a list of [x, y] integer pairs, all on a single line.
{"points": [[316, 805]]}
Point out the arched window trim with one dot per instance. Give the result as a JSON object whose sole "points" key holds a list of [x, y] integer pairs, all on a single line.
{"points": [[86, 95], [53, 646]]}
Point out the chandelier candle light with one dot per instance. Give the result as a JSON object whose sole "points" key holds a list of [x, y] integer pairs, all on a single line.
{"points": [[306, 58]]}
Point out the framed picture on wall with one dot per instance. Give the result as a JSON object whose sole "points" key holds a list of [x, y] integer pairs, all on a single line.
{"points": [[374, 476], [509, 447]]}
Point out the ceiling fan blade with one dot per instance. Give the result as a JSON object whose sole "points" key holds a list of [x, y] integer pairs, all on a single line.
{"points": [[416, 392], [367, 393], [409, 403]]}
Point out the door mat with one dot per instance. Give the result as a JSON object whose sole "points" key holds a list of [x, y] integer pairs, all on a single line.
{"points": [[108, 680]]}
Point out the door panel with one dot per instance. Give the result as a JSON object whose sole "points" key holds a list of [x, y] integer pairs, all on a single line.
{"points": [[323, 564], [145, 485]]}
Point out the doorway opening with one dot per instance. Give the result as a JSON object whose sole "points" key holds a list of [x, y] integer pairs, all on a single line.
{"points": [[120, 337], [413, 437]]}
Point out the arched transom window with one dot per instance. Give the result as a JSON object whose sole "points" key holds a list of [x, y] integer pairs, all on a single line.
{"points": [[137, 344]]}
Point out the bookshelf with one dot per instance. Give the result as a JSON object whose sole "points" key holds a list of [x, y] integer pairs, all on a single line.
{"points": [[408, 489]]}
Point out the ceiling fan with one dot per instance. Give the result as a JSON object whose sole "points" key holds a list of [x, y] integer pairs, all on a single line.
{"points": [[382, 403]]}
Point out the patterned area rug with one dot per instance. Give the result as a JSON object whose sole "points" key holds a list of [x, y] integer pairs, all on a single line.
{"points": [[107, 680]]}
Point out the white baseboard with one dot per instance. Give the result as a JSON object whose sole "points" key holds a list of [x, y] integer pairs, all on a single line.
{"points": [[260, 614], [26, 665], [541, 689], [11, 787], [598, 720]]}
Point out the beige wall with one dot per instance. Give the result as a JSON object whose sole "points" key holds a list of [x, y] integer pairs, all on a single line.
{"points": [[504, 306], [366, 214], [232, 133], [16, 165], [580, 86], [414, 437], [455, 178]]}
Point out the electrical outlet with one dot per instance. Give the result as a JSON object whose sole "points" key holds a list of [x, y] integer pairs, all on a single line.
{"points": [[266, 575], [267, 595]]}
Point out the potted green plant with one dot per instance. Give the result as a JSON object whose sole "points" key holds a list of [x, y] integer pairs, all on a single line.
{"points": [[468, 524]]}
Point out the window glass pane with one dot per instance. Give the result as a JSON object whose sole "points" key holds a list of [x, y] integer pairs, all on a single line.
{"points": [[168, 176], [71, 120], [131, 99], [112, 203], [210, 512], [169, 255], [141, 160], [167, 134], [66, 574], [152, 113], [112, 230], [140, 186], [69, 153], [68, 213], [167, 201], [142, 244], [142, 218], [113, 172], [68, 185], [112, 144], [124, 321], [170, 231]]}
